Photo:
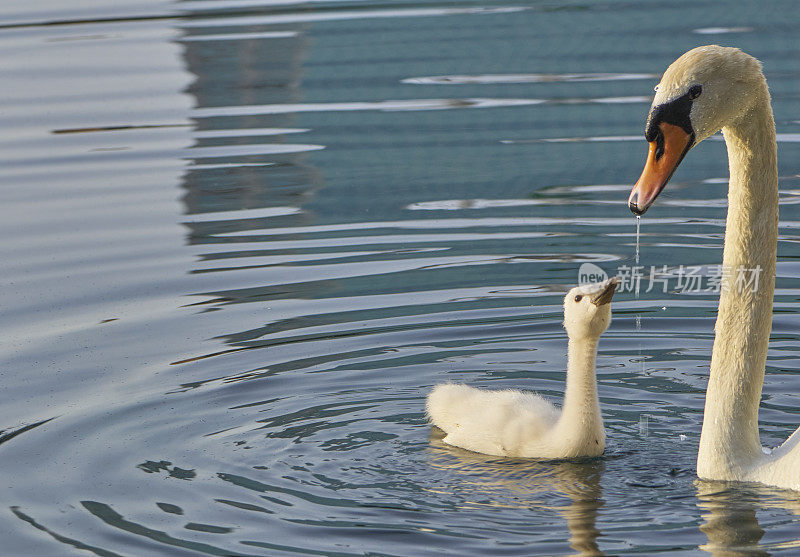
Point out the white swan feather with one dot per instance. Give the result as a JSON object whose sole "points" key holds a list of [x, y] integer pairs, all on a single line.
{"points": [[707, 89]]}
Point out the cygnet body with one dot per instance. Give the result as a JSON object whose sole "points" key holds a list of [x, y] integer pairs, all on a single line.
{"points": [[523, 424]]}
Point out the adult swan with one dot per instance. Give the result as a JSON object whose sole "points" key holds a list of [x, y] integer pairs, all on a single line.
{"points": [[707, 89]]}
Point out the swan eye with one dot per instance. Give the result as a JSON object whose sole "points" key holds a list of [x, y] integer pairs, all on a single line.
{"points": [[694, 91], [578, 298], [655, 88]]}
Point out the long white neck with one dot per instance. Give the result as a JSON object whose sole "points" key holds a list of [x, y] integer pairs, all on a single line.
{"points": [[729, 441], [581, 409]]}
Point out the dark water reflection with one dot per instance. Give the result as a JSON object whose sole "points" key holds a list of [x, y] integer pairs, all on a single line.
{"points": [[242, 240]]}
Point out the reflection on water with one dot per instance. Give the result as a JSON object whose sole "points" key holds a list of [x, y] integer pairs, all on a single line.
{"points": [[730, 519], [570, 488], [242, 239]]}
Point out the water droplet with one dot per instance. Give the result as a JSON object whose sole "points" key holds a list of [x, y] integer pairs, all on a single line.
{"points": [[636, 287]]}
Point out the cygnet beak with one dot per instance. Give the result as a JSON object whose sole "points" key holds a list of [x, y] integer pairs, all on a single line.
{"points": [[605, 296]]}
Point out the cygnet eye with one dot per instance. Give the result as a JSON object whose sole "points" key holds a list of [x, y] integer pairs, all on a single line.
{"points": [[694, 91], [578, 298]]}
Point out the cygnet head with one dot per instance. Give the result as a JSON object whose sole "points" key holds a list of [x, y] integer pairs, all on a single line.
{"points": [[701, 92], [587, 309]]}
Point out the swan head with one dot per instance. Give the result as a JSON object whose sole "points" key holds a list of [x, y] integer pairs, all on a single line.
{"points": [[701, 92], [587, 309]]}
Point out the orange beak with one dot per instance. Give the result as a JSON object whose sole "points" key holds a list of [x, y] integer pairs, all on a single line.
{"points": [[665, 154]]}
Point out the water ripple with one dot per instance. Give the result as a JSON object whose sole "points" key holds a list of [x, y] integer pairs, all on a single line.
{"points": [[404, 105], [236, 329], [525, 78]]}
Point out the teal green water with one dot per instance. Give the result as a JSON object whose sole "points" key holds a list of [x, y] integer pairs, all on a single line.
{"points": [[243, 239]]}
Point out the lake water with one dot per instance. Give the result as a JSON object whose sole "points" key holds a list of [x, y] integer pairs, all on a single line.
{"points": [[242, 239]]}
